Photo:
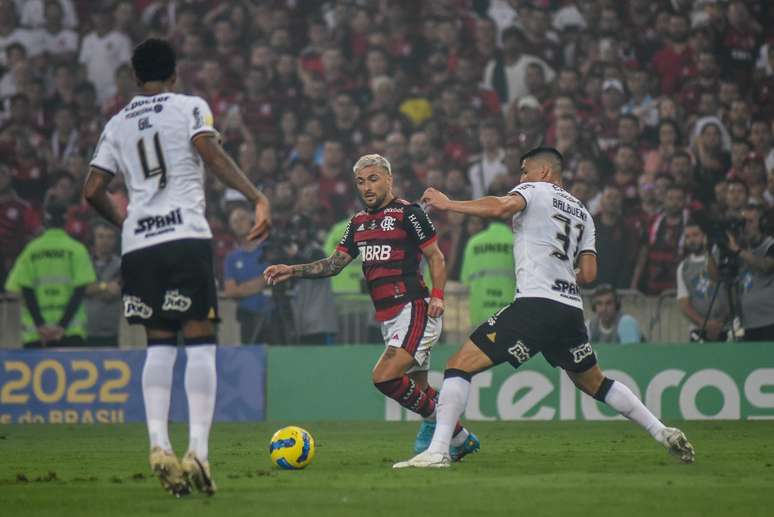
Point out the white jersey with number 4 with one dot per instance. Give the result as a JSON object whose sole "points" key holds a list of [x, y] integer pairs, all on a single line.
{"points": [[549, 234], [150, 142]]}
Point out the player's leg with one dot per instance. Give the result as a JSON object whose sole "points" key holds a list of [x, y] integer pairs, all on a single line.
{"points": [[452, 399], [619, 397], [142, 299], [408, 338], [389, 376], [499, 339], [200, 389], [191, 298], [156, 390]]}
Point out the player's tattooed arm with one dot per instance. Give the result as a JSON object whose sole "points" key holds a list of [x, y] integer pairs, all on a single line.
{"points": [[330, 266]]}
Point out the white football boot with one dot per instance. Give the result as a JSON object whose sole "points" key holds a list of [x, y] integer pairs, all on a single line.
{"points": [[426, 459], [677, 444], [198, 473], [167, 468]]}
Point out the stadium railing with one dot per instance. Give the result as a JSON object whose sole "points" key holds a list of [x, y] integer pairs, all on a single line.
{"points": [[659, 317]]}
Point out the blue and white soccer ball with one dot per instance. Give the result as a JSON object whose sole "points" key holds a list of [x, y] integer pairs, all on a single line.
{"points": [[292, 448]]}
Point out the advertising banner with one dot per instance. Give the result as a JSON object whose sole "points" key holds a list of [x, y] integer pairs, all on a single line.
{"points": [[105, 386], [730, 381]]}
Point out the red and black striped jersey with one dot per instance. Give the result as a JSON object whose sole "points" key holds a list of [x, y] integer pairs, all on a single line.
{"points": [[390, 241]]}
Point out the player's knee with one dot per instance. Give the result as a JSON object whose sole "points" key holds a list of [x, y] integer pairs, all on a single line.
{"points": [[388, 386]]}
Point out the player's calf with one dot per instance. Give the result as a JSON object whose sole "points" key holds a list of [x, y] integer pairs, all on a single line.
{"points": [[405, 392]]}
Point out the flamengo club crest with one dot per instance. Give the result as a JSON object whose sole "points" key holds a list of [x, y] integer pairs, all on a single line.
{"points": [[388, 224]]}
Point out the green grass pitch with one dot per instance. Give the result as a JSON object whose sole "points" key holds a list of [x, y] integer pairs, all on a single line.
{"points": [[523, 469]]}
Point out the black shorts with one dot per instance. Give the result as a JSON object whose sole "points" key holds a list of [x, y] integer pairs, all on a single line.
{"points": [[169, 283], [531, 325]]}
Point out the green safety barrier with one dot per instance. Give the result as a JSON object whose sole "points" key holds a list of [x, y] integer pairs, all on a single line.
{"points": [[729, 381]]}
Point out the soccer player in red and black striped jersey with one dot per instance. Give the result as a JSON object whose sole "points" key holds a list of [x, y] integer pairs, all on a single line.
{"points": [[393, 235]]}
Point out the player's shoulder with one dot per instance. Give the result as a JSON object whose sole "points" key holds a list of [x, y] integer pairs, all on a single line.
{"points": [[407, 207]]}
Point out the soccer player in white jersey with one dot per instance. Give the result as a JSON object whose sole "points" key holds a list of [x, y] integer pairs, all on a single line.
{"points": [[554, 250], [161, 142]]}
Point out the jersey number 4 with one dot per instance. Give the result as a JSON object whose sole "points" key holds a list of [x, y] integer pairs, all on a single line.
{"points": [[564, 237], [160, 168]]}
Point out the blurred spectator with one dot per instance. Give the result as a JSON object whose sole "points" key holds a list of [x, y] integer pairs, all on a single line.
{"points": [[672, 61], [102, 51], [662, 245], [19, 222], [617, 243], [506, 73], [487, 270], [609, 323], [706, 309], [35, 13], [11, 32], [755, 250], [489, 164], [350, 279], [59, 40], [51, 274], [243, 275], [313, 313], [103, 298]]}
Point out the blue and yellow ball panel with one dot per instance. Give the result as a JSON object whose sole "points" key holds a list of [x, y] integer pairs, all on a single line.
{"points": [[291, 448]]}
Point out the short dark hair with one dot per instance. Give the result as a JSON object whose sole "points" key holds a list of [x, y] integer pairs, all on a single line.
{"points": [[549, 153], [154, 60]]}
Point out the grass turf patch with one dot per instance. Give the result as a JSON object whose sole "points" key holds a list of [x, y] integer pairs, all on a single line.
{"points": [[524, 468]]}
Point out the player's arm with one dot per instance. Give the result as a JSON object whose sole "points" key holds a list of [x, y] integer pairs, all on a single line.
{"points": [[587, 268], [490, 207], [230, 174], [95, 192], [437, 265], [326, 267]]}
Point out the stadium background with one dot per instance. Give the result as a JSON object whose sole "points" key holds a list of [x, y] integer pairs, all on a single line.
{"points": [[452, 92]]}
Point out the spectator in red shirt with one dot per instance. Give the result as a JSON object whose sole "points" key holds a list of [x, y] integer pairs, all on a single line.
{"points": [[739, 43], [125, 89], [656, 267], [605, 127], [484, 100], [674, 58], [704, 81], [19, 223]]}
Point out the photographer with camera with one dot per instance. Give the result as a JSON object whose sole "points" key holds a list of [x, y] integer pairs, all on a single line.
{"points": [[696, 289], [755, 252]]}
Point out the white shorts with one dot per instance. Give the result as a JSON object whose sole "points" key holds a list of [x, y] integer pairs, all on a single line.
{"points": [[414, 331]]}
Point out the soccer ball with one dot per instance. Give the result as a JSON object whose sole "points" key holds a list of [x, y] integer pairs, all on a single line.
{"points": [[292, 448]]}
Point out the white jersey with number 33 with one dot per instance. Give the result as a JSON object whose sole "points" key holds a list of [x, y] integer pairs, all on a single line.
{"points": [[150, 142], [549, 234]]}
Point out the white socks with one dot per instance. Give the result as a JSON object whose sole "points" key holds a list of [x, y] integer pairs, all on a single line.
{"points": [[200, 389], [625, 402], [451, 403], [156, 391]]}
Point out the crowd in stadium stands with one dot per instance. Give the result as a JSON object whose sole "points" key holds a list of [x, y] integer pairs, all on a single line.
{"points": [[663, 109]]}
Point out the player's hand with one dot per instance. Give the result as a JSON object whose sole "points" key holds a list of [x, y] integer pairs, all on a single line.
{"points": [[435, 309], [277, 274], [262, 223], [436, 199]]}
